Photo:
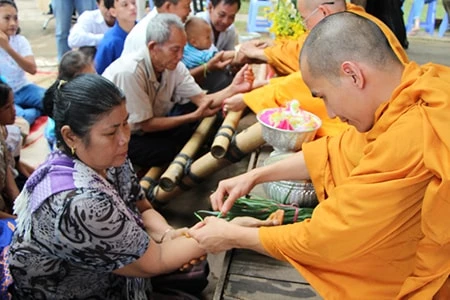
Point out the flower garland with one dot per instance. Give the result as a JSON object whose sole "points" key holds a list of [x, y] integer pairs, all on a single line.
{"points": [[286, 20]]}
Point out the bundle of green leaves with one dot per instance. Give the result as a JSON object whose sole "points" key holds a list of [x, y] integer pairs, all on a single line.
{"points": [[261, 208]]}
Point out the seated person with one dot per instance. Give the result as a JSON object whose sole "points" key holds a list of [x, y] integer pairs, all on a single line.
{"points": [[17, 58], [8, 187], [136, 38], [199, 49], [220, 15], [153, 79], [111, 46], [90, 27], [380, 229], [283, 55], [93, 224], [72, 63], [282, 89]]}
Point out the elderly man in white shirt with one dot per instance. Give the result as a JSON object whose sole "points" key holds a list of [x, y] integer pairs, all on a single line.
{"points": [[90, 27], [154, 80]]}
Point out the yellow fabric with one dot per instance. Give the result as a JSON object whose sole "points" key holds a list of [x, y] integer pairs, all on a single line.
{"points": [[283, 55], [384, 198], [284, 89]]}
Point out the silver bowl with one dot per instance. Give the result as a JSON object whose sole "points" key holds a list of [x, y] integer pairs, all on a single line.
{"points": [[297, 193], [287, 140]]}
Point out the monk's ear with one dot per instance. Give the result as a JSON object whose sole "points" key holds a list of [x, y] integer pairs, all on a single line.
{"points": [[324, 10], [166, 6], [352, 73], [69, 137]]}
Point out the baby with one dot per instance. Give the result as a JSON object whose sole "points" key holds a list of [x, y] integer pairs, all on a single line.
{"points": [[198, 50]]}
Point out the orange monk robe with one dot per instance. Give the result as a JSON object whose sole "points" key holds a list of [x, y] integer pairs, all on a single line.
{"points": [[281, 90], [283, 55], [383, 215]]}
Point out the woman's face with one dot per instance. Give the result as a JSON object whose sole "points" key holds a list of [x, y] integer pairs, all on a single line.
{"points": [[8, 111], [8, 20], [109, 137]]}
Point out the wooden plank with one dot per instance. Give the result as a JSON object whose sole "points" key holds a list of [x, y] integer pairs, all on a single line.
{"points": [[223, 276], [252, 288], [253, 264]]}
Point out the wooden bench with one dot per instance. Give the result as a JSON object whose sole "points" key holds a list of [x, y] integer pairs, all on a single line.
{"points": [[249, 275]]}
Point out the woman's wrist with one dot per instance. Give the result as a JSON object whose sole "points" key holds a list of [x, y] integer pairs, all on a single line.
{"points": [[163, 236]]}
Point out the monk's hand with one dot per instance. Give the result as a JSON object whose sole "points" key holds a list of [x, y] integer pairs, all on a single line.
{"points": [[210, 234], [243, 81], [253, 222], [248, 49], [231, 189], [234, 103], [217, 62]]}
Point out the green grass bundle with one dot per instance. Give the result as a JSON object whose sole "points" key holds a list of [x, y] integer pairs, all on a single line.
{"points": [[262, 208]]}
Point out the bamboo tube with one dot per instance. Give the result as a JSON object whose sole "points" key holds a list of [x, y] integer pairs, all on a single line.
{"points": [[151, 178], [174, 172], [225, 134], [245, 142]]}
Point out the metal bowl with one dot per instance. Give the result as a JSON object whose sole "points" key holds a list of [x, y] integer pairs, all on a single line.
{"points": [[287, 140], [298, 193]]}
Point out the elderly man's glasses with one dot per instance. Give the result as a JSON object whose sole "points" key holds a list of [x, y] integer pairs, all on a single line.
{"points": [[313, 12]]}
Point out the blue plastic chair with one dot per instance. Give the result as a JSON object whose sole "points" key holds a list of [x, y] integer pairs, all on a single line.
{"points": [[430, 21], [444, 26], [256, 22]]}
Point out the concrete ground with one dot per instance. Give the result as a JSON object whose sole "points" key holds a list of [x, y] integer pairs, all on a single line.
{"points": [[423, 48]]}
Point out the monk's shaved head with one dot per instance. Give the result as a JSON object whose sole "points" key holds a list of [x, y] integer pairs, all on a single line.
{"points": [[312, 4], [341, 37]]}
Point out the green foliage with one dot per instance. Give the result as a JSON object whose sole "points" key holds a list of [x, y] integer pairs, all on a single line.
{"points": [[286, 21]]}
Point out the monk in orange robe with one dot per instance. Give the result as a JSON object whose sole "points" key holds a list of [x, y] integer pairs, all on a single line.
{"points": [[283, 89], [381, 229], [282, 56]]}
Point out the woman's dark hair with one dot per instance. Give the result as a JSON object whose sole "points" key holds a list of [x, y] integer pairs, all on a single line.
{"points": [[72, 63], [5, 89], [80, 103]]}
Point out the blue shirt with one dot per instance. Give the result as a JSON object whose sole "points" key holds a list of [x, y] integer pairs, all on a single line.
{"points": [[110, 47], [193, 57]]}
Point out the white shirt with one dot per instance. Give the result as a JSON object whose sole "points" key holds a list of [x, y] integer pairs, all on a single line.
{"points": [[9, 68], [146, 96], [89, 29], [227, 39], [136, 38]]}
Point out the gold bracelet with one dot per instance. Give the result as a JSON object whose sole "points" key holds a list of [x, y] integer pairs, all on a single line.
{"points": [[164, 235], [205, 69]]}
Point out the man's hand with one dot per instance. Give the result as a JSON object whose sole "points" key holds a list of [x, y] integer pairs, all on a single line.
{"points": [[243, 81], [217, 62], [205, 109]]}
